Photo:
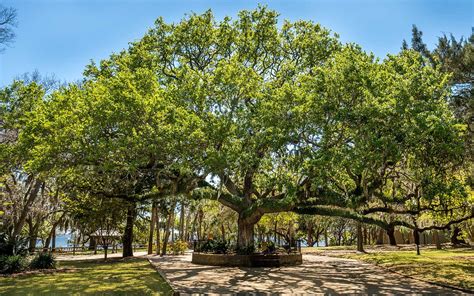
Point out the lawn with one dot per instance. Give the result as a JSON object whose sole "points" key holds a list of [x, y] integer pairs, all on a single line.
{"points": [[118, 277], [450, 266]]}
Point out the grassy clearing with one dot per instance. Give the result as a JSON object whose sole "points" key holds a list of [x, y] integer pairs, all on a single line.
{"points": [[118, 277], [451, 266]]}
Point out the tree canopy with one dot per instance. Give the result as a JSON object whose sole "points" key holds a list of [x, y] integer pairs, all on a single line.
{"points": [[260, 116]]}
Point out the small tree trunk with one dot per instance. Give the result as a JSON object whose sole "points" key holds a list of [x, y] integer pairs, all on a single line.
{"points": [[194, 234], [152, 228], [200, 216], [326, 241], [275, 232], [20, 222], [181, 223], [52, 233], [53, 243], [105, 252], [223, 231], [167, 230], [416, 236], [158, 238], [360, 238], [33, 236], [127, 239], [186, 226]]}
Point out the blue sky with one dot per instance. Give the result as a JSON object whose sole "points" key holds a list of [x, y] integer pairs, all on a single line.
{"points": [[61, 36]]}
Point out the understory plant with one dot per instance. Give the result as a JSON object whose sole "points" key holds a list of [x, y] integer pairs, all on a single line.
{"points": [[43, 260], [12, 263]]}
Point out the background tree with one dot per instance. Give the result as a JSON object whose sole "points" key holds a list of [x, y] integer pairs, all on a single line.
{"points": [[8, 21]]}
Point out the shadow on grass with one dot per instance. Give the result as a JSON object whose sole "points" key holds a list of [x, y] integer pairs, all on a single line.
{"points": [[115, 276]]}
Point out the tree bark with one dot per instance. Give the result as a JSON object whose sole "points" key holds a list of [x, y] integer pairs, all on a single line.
{"points": [[158, 238], [32, 194], [181, 223], [245, 231], [127, 239], [167, 230], [52, 233], [152, 228], [455, 240], [245, 236], [53, 243], [275, 231], [223, 231], [391, 235], [32, 235], [416, 236], [360, 238], [436, 239], [200, 216], [379, 240]]}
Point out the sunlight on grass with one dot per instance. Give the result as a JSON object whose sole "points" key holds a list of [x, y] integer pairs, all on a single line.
{"points": [[117, 277], [454, 267]]}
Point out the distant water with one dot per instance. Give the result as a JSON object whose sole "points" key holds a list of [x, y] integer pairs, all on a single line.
{"points": [[61, 241]]}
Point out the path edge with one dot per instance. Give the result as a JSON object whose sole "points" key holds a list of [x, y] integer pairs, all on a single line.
{"points": [[412, 277], [175, 293], [426, 281]]}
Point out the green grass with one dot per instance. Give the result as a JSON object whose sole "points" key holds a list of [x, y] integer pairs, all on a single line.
{"points": [[451, 266], [306, 250], [118, 277]]}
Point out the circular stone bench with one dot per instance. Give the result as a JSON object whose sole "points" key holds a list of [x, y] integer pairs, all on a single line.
{"points": [[254, 260]]}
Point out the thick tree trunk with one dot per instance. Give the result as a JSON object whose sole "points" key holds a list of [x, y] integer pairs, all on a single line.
{"points": [[152, 228], [245, 236], [391, 235], [360, 238], [436, 239], [379, 240], [127, 239], [455, 240], [326, 241]]}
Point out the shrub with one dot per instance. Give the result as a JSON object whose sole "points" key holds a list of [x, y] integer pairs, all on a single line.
{"points": [[43, 261], [247, 250], [179, 247], [12, 263], [214, 246], [13, 246], [221, 247], [268, 247]]}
